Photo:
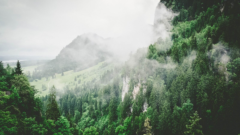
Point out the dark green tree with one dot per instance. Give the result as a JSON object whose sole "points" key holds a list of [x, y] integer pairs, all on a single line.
{"points": [[233, 68], [18, 69], [126, 129], [72, 106], [8, 122], [155, 122], [2, 69], [79, 105], [90, 131], [77, 117], [126, 105], [193, 42], [52, 111], [113, 110]]}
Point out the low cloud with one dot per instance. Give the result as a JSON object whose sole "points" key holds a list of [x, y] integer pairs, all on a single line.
{"points": [[44, 27]]}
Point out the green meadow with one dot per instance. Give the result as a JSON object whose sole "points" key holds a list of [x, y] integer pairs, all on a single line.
{"points": [[70, 78]]}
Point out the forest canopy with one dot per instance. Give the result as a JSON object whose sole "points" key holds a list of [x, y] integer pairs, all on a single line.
{"points": [[192, 88]]}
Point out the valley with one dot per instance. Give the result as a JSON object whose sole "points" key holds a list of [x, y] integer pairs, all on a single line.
{"points": [[185, 80]]}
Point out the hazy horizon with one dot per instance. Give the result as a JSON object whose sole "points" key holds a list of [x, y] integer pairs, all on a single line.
{"points": [[41, 29]]}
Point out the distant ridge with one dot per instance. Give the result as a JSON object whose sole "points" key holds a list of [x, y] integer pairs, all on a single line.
{"points": [[84, 51]]}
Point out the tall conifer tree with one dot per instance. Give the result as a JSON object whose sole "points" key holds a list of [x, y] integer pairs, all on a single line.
{"points": [[193, 42], [18, 69], [2, 70], [113, 110], [52, 111]]}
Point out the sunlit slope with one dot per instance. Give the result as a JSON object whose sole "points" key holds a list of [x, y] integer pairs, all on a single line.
{"points": [[70, 78]]}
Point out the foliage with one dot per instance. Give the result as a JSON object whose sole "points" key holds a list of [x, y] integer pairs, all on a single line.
{"points": [[63, 126], [126, 128], [34, 128], [90, 131], [52, 111], [194, 128], [18, 69], [147, 127], [8, 123], [196, 70]]}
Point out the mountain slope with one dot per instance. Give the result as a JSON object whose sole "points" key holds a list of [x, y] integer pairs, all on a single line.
{"points": [[84, 51]]}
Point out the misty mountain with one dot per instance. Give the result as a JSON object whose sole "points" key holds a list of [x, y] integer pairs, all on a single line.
{"points": [[84, 51]]}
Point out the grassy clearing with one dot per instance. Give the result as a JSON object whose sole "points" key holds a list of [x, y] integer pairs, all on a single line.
{"points": [[70, 78]]}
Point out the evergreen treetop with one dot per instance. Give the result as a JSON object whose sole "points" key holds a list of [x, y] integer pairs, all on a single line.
{"points": [[147, 127], [18, 69], [52, 111], [194, 128]]}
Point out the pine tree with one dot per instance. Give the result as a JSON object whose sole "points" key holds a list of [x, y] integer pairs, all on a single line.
{"points": [[193, 42], [65, 107], [95, 104], [79, 105], [72, 106], [113, 110], [2, 70], [147, 127], [155, 122], [194, 128], [52, 111], [18, 69], [126, 106], [77, 117], [134, 110], [100, 105]]}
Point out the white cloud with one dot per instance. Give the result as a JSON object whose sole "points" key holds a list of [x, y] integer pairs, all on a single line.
{"points": [[43, 28]]}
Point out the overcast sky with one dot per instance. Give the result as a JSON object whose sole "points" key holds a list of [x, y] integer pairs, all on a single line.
{"points": [[44, 27]]}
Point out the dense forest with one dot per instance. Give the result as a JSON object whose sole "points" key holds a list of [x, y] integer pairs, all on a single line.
{"points": [[190, 88]]}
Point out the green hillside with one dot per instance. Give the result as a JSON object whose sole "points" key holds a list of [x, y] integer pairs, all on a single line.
{"points": [[187, 84], [70, 78]]}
